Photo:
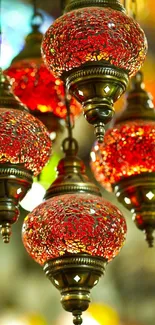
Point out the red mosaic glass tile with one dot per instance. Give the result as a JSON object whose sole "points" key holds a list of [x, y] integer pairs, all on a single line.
{"points": [[39, 90], [128, 149], [94, 34], [74, 223], [23, 140]]}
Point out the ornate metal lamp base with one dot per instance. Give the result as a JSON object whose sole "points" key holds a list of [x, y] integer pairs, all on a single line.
{"points": [[76, 4], [97, 86], [74, 276], [14, 184], [72, 176], [137, 194]]}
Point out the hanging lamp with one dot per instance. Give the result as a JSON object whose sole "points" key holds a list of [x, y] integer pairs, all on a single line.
{"points": [[36, 87], [125, 161], [25, 148], [74, 233], [95, 47]]}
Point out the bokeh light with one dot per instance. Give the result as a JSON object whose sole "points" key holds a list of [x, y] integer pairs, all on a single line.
{"points": [[97, 314], [15, 20]]}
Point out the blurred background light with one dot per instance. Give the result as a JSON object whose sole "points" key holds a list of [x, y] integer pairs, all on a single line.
{"points": [[11, 318], [15, 22], [36, 194], [34, 197], [97, 314]]}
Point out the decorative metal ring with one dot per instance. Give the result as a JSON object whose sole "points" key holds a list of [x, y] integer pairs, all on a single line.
{"points": [[70, 145]]}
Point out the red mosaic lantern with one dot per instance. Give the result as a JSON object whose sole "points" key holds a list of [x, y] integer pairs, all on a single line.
{"points": [[98, 45], [23, 140], [36, 87], [94, 34], [74, 233], [39, 90], [125, 161], [72, 224], [128, 150], [25, 148]]}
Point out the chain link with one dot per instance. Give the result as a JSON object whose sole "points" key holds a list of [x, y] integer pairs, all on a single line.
{"points": [[37, 17]]}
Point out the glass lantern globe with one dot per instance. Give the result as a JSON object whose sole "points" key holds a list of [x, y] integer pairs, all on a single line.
{"points": [[125, 161], [94, 34], [73, 224], [23, 140], [39, 90], [95, 47], [128, 150]]}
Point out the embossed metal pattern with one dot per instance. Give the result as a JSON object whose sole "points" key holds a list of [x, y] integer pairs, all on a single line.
{"points": [[76, 4], [98, 70], [9, 170], [72, 260]]}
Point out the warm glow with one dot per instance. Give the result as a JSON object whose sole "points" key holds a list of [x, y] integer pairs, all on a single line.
{"points": [[67, 319], [97, 314], [89, 321], [103, 314], [44, 108], [11, 320]]}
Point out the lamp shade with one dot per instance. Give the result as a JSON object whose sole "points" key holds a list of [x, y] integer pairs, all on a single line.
{"points": [[74, 233], [125, 161], [73, 224], [95, 47], [94, 34], [38, 89], [25, 147], [23, 140], [128, 150]]}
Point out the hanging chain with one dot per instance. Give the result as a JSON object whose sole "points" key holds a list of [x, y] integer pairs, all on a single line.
{"points": [[69, 145], [37, 17], [62, 5], [69, 116], [34, 7]]}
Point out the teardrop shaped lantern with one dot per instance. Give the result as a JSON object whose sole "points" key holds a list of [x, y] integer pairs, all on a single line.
{"points": [[95, 47], [25, 147], [74, 233], [125, 161], [38, 88]]}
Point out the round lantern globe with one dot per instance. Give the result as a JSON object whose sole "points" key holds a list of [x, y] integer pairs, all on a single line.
{"points": [[23, 140], [73, 224], [38, 89], [128, 150], [94, 34]]}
